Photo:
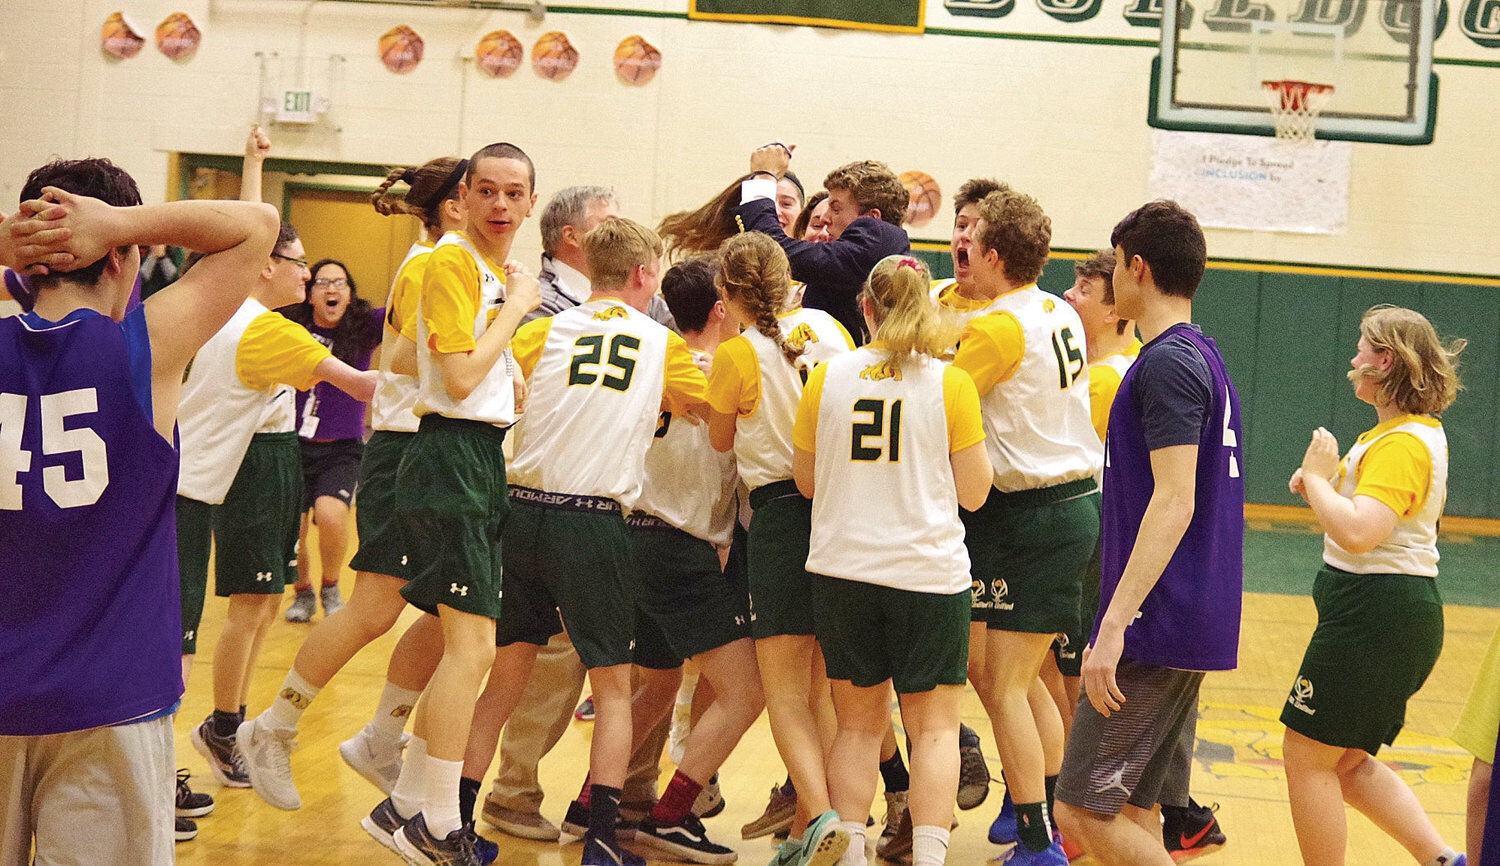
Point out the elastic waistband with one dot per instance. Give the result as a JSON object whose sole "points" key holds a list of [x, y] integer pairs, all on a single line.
{"points": [[642, 520], [775, 490], [443, 422], [272, 438], [566, 501], [1045, 495]]}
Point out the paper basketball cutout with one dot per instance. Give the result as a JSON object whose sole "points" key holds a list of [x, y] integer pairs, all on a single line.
{"points": [[636, 60], [553, 56], [926, 198], [401, 49], [498, 53], [120, 38], [178, 37]]}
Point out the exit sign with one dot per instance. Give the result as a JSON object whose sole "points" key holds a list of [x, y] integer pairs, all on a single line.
{"points": [[300, 106]]}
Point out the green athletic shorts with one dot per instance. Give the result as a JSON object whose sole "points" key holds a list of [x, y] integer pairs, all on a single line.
{"points": [[682, 592], [780, 586], [1378, 637], [872, 633], [382, 549], [256, 526], [452, 504], [195, 533], [1067, 649], [1028, 551], [568, 554]]}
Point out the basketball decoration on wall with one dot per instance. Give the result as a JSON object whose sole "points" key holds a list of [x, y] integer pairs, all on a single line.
{"points": [[178, 37], [926, 198], [553, 56], [119, 38], [401, 49], [498, 53], [636, 60]]}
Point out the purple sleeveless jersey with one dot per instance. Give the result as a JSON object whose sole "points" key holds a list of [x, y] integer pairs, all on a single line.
{"points": [[91, 626], [1191, 619]]}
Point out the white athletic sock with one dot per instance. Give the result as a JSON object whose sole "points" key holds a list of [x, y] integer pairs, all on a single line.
{"points": [[295, 697], [1447, 858], [392, 713], [410, 785], [440, 798], [855, 855], [929, 845]]}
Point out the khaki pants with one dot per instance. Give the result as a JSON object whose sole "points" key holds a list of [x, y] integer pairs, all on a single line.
{"points": [[105, 795], [538, 724]]}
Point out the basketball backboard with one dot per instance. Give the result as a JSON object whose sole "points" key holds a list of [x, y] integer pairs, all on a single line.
{"points": [[1377, 55]]}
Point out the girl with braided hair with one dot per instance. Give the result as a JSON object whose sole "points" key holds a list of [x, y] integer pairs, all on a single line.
{"points": [[753, 391]]}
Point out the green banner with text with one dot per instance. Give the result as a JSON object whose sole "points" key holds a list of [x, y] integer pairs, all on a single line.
{"points": [[898, 16]]}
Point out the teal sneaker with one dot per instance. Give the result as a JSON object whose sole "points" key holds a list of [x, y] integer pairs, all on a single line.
{"points": [[825, 841]]}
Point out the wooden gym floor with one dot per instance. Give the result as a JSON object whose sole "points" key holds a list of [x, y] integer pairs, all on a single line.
{"points": [[1238, 761]]}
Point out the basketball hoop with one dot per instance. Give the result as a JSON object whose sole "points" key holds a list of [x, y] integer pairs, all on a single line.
{"points": [[1295, 106]]}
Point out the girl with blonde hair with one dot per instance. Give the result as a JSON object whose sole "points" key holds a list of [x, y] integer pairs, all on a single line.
{"points": [[892, 416], [1380, 617]]}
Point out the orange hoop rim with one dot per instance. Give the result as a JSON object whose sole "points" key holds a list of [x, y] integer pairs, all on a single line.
{"points": [[1297, 95]]}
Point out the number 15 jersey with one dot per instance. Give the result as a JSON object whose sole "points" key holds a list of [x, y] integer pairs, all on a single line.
{"points": [[1026, 358], [599, 375]]}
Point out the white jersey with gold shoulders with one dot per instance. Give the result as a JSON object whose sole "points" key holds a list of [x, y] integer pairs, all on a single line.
{"points": [[689, 484], [1407, 445], [394, 405], [753, 380], [886, 509], [493, 400], [598, 375], [946, 295], [1026, 357]]}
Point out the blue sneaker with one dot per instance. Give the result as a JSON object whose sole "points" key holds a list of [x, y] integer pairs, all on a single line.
{"points": [[787, 853], [825, 841], [597, 853], [1052, 855], [485, 851], [1004, 830]]}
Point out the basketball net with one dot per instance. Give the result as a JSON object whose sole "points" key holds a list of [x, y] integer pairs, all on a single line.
{"points": [[1295, 106]]}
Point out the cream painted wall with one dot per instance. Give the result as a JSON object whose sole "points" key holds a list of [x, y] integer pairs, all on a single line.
{"points": [[1065, 122]]}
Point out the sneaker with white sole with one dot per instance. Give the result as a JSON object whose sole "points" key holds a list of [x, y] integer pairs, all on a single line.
{"points": [[368, 756], [523, 825], [302, 607], [973, 770], [224, 757], [895, 805], [268, 760], [382, 824], [331, 598], [825, 841], [710, 800], [185, 830], [421, 848], [777, 816], [685, 840], [190, 803]]}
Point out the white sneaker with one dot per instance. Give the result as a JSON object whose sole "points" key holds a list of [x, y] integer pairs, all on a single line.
{"points": [[377, 762], [268, 760]]}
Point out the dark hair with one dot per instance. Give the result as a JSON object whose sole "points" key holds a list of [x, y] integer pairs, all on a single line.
{"points": [[95, 178], [428, 186], [688, 288], [1169, 240], [284, 235], [799, 228], [976, 190], [706, 228], [1101, 266], [357, 333], [501, 150]]}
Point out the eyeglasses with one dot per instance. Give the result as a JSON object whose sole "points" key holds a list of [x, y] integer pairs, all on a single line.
{"points": [[301, 263], [324, 282]]}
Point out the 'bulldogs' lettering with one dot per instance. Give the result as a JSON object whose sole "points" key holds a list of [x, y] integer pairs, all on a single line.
{"points": [[980, 8], [1147, 13], [1234, 16], [1070, 10], [1348, 14], [1400, 19], [1481, 22]]}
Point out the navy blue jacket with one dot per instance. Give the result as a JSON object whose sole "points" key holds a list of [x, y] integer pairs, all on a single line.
{"points": [[834, 272]]}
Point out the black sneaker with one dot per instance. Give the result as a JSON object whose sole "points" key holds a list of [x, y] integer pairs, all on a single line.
{"points": [[485, 851], [973, 771], [685, 840], [419, 846], [576, 821], [189, 803], [223, 755], [382, 824], [1191, 831], [185, 830], [596, 853]]}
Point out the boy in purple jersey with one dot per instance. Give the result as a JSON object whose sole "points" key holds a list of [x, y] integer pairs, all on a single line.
{"points": [[88, 474], [1173, 536]]}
